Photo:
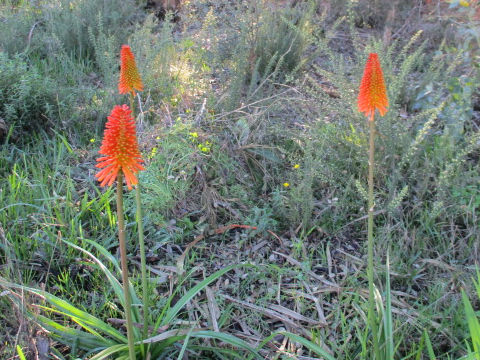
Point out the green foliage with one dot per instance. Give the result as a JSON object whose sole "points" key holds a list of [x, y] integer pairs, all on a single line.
{"points": [[169, 174], [279, 41], [68, 26], [28, 99], [26, 179], [262, 220], [425, 155], [268, 47], [338, 138], [21, 355], [240, 76], [100, 339], [157, 53], [54, 56], [17, 26], [473, 321]]}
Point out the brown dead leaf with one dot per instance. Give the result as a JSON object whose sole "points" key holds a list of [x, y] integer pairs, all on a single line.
{"points": [[213, 309]]}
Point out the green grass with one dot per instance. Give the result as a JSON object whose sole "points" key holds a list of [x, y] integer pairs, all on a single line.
{"points": [[220, 75]]}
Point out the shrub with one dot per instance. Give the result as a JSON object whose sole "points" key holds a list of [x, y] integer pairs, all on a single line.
{"points": [[267, 45], [66, 24], [27, 97]]}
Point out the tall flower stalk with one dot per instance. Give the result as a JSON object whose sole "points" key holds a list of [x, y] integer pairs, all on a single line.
{"points": [[121, 159], [124, 264], [372, 96], [130, 81]]}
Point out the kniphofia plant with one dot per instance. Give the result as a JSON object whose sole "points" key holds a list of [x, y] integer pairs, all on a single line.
{"points": [[130, 80], [121, 159], [372, 96]]}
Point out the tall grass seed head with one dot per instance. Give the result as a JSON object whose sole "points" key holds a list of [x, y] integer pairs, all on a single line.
{"points": [[130, 79], [373, 93], [120, 147]]}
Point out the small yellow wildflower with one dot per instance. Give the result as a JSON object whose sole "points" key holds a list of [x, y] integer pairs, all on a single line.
{"points": [[157, 138], [193, 134], [296, 166], [205, 149], [464, 3], [286, 184], [92, 140], [153, 152]]}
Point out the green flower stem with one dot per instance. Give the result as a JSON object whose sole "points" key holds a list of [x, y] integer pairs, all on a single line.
{"points": [[371, 295], [123, 258], [142, 260], [141, 240]]}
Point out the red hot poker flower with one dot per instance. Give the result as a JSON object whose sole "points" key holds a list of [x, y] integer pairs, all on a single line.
{"points": [[373, 94], [130, 79], [120, 148]]}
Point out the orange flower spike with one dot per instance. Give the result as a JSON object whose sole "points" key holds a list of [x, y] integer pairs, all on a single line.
{"points": [[120, 148], [373, 93], [130, 79]]}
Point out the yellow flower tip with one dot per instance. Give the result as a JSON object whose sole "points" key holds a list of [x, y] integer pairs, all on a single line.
{"points": [[130, 79], [373, 93], [296, 166], [92, 140], [286, 184], [194, 134], [157, 138], [464, 3]]}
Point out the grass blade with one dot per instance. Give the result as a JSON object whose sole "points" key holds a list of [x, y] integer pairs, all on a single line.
{"points": [[473, 324], [185, 344], [428, 343], [20, 353], [70, 336], [110, 351], [387, 318], [228, 339], [116, 286]]}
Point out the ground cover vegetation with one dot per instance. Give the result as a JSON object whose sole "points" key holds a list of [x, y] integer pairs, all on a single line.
{"points": [[255, 190]]}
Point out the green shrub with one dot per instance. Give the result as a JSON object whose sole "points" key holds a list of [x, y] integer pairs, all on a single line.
{"points": [[280, 40], [17, 26], [27, 98], [66, 24], [262, 44], [59, 63]]}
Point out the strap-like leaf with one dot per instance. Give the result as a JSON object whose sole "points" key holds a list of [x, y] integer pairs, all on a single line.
{"points": [[172, 312]]}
